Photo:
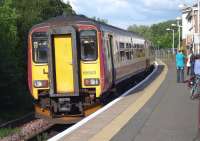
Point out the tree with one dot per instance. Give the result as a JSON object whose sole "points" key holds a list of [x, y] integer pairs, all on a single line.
{"points": [[155, 33], [100, 20], [8, 33], [141, 30]]}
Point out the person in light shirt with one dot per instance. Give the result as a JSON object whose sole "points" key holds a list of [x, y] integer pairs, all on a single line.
{"points": [[188, 63]]}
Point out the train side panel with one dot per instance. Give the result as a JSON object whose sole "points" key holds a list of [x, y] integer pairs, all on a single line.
{"points": [[129, 56]]}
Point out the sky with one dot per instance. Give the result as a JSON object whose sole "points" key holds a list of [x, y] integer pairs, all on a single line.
{"points": [[122, 13]]}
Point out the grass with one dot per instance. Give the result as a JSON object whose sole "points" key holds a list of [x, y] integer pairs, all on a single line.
{"points": [[42, 137], [4, 132]]}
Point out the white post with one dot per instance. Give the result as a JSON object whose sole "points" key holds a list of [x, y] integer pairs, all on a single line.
{"points": [[173, 43], [169, 29], [179, 34]]}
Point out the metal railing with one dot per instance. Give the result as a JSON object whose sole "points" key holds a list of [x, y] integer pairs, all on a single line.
{"points": [[165, 55]]}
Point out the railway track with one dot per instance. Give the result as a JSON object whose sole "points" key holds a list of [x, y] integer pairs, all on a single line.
{"points": [[39, 129], [17, 122], [34, 129]]}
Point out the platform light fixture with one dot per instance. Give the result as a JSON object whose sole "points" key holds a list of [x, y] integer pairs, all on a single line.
{"points": [[179, 32], [171, 29]]}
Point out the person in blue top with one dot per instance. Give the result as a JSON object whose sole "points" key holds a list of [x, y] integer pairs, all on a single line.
{"points": [[197, 66], [180, 64]]}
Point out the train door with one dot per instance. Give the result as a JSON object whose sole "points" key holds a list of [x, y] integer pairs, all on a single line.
{"points": [[63, 62], [110, 58]]}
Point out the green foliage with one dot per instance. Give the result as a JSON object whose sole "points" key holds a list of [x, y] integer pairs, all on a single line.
{"points": [[100, 20], [141, 30], [16, 19], [157, 33], [8, 41], [4, 132]]}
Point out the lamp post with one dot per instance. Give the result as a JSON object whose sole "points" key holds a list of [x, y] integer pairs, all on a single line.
{"points": [[179, 32], [169, 29]]}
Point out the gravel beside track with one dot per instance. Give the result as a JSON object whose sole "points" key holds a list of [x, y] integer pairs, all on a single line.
{"points": [[29, 130]]}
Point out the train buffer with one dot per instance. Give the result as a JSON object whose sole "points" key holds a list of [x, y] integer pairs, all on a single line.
{"points": [[158, 110]]}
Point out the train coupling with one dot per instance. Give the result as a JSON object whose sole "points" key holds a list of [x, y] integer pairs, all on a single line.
{"points": [[67, 106]]}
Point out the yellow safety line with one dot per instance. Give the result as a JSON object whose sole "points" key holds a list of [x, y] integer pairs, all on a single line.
{"points": [[108, 132]]}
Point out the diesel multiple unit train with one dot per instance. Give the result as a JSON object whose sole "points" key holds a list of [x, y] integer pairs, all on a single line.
{"points": [[73, 61]]}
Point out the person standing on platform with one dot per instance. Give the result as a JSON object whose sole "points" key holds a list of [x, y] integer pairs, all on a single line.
{"points": [[197, 65], [188, 63], [192, 61], [180, 64]]}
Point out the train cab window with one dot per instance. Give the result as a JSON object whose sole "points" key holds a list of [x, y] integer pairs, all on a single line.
{"points": [[40, 48], [88, 41]]}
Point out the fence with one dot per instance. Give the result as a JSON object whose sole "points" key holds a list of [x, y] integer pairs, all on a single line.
{"points": [[165, 55]]}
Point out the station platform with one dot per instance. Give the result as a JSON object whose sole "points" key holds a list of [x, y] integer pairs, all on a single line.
{"points": [[158, 110]]}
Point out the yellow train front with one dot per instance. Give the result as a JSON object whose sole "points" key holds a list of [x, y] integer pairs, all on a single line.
{"points": [[74, 61]]}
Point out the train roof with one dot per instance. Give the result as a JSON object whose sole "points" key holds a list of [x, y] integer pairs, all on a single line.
{"points": [[81, 19]]}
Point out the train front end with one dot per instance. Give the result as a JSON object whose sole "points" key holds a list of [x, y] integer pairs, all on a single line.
{"points": [[65, 76]]}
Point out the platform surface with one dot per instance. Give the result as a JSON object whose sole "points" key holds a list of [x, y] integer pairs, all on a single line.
{"points": [[159, 111], [175, 118]]}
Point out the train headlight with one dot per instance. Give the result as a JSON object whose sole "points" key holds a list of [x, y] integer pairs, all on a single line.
{"points": [[41, 83], [91, 82]]}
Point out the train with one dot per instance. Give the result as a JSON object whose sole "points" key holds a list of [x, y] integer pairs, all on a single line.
{"points": [[75, 61]]}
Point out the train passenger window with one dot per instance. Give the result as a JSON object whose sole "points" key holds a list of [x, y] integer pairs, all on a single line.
{"points": [[132, 53], [88, 41], [40, 47], [121, 45], [122, 55], [127, 56], [135, 46], [127, 46]]}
